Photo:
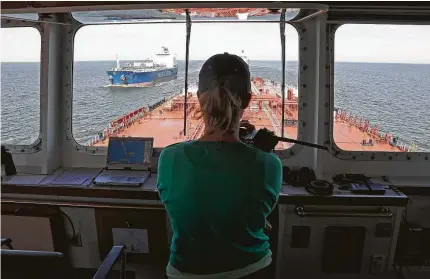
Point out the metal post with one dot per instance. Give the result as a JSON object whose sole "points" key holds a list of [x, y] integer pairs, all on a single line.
{"points": [[187, 54], [123, 264], [282, 29]]}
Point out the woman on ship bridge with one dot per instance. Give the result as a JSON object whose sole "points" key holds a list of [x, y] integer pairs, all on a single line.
{"points": [[217, 190]]}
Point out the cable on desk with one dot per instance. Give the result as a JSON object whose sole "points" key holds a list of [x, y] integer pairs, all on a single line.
{"points": [[393, 187], [70, 221]]}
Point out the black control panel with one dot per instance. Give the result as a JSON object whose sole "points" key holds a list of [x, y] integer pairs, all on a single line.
{"points": [[413, 246]]}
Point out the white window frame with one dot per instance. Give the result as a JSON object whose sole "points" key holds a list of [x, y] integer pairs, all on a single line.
{"points": [[36, 146], [329, 108]]}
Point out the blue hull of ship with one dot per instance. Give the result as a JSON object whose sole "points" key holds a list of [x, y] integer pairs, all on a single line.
{"points": [[131, 78]]}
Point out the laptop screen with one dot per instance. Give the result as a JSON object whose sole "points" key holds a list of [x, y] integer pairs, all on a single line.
{"points": [[130, 151]]}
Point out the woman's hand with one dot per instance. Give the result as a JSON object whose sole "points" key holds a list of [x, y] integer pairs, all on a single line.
{"points": [[247, 125], [268, 226], [245, 128]]}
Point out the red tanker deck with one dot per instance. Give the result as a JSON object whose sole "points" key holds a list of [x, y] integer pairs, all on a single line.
{"points": [[165, 122]]}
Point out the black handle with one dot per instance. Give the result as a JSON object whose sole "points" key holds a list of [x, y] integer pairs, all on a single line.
{"points": [[303, 143]]}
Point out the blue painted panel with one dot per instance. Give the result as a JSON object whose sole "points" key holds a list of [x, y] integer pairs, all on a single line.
{"points": [[125, 78]]}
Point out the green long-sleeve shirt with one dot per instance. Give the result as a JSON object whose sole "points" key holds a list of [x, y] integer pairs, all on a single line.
{"points": [[217, 196]]}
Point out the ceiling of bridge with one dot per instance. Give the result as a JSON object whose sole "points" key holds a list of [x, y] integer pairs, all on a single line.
{"points": [[62, 6], [103, 11]]}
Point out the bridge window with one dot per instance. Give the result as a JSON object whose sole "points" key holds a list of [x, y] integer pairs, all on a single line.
{"points": [[125, 97], [20, 85], [259, 44], [381, 88], [136, 96]]}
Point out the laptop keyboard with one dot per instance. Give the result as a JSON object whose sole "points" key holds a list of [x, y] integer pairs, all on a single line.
{"points": [[114, 176], [119, 178]]}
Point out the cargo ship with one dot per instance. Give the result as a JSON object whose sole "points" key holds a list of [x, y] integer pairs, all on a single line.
{"points": [[164, 121], [146, 73]]}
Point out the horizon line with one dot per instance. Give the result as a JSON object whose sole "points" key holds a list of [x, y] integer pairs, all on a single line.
{"points": [[269, 60]]}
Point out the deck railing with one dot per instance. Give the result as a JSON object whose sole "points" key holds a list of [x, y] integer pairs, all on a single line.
{"points": [[118, 125], [373, 131]]}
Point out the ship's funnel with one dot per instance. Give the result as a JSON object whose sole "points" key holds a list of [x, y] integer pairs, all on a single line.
{"points": [[242, 16]]}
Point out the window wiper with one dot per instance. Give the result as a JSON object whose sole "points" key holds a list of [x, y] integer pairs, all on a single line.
{"points": [[187, 54]]}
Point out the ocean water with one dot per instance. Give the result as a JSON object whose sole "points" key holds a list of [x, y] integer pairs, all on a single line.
{"points": [[395, 96]]}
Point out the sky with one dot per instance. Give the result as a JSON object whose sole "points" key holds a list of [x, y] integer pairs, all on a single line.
{"points": [[353, 42]]}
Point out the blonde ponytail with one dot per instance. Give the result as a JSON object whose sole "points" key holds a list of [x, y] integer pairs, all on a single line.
{"points": [[220, 109]]}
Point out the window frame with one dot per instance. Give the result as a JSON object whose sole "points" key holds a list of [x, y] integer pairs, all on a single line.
{"points": [[36, 146], [336, 151], [305, 94]]}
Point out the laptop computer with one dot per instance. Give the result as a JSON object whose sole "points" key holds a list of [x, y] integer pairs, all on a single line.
{"points": [[128, 161]]}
